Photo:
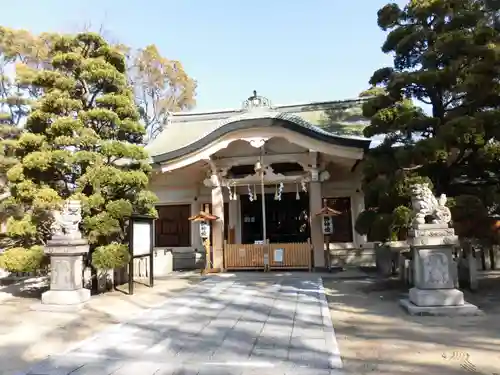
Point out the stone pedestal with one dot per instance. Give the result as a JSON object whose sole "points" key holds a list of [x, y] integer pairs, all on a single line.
{"points": [[66, 273], [434, 290], [387, 257], [467, 271], [405, 268], [495, 257]]}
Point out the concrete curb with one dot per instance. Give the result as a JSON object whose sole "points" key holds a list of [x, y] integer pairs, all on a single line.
{"points": [[334, 360]]}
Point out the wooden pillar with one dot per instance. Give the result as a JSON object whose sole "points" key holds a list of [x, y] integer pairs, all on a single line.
{"points": [[357, 206], [233, 220], [317, 238], [196, 240], [238, 220], [218, 226]]}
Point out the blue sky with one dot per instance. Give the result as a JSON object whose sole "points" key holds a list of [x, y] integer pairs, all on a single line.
{"points": [[289, 51]]}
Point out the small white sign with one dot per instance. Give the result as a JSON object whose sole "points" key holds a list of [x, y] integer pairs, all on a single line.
{"points": [[204, 230], [266, 259], [278, 255], [327, 225], [142, 238], [261, 242]]}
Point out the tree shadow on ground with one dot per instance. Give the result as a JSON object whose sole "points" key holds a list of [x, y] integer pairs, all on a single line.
{"points": [[31, 287], [155, 338], [27, 336], [377, 336], [206, 337]]}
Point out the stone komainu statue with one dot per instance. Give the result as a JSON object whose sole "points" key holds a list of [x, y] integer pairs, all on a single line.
{"points": [[426, 205], [66, 221]]}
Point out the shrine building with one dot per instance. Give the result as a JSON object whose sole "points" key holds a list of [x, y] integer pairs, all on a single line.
{"points": [[223, 161]]}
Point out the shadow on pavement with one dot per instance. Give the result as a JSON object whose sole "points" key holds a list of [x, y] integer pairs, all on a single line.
{"points": [[225, 325], [377, 336]]}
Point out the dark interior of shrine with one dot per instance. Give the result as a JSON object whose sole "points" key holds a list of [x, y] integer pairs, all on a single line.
{"points": [[287, 220]]}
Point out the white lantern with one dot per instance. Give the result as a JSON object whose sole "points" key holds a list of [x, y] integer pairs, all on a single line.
{"points": [[327, 225], [204, 230]]}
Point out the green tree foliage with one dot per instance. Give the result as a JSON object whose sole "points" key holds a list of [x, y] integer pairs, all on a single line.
{"points": [[82, 139], [20, 52], [447, 61], [344, 121], [161, 86]]}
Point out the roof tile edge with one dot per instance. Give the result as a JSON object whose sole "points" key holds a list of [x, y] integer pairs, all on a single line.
{"points": [[297, 107]]}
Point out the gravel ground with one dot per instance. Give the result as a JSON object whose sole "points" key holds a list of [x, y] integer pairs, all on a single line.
{"points": [[377, 337]]}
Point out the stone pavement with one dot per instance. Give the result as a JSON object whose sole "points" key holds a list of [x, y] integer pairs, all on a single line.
{"points": [[241, 324]]}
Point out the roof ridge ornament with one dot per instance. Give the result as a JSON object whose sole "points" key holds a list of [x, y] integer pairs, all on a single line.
{"points": [[256, 102]]}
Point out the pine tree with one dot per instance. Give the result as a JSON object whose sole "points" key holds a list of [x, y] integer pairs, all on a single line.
{"points": [[20, 51], [447, 60], [82, 140]]}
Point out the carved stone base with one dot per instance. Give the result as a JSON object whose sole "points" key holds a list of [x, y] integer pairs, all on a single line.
{"points": [[66, 275], [64, 245], [466, 309], [432, 235], [63, 300], [433, 267], [436, 297]]}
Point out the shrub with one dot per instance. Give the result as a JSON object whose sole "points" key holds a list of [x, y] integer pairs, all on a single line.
{"points": [[110, 256], [19, 259]]}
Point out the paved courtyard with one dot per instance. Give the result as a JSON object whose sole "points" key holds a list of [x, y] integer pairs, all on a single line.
{"points": [[244, 324]]}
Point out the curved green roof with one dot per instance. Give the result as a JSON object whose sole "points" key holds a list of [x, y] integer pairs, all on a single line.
{"points": [[188, 132]]}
